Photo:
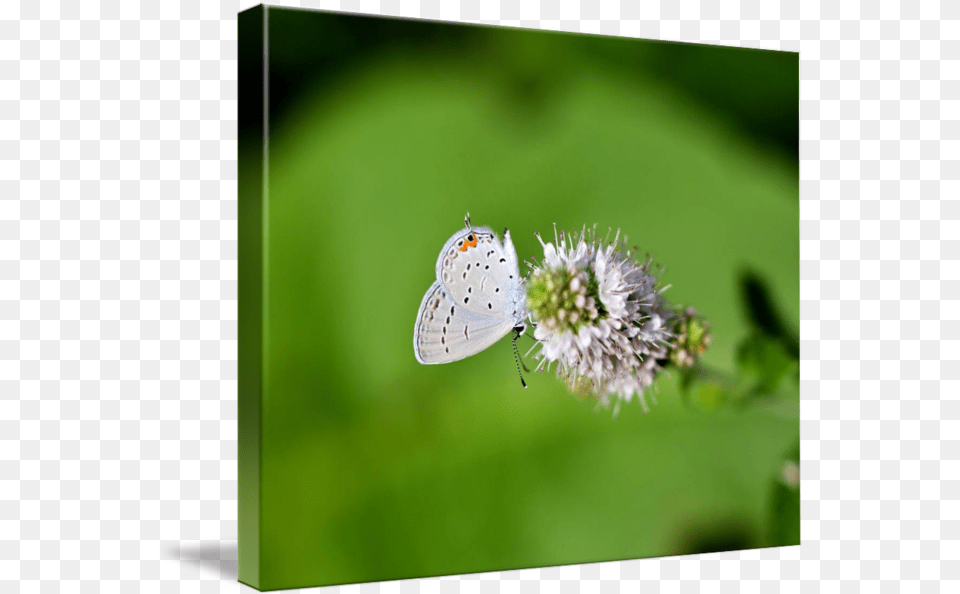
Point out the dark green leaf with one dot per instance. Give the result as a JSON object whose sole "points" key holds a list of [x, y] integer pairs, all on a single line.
{"points": [[763, 314]]}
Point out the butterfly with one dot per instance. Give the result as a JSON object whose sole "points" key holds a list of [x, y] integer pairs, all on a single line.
{"points": [[477, 299]]}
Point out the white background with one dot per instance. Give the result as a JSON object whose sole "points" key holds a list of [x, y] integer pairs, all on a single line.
{"points": [[118, 270]]}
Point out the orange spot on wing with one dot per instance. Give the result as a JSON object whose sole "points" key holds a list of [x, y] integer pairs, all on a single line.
{"points": [[468, 244]]}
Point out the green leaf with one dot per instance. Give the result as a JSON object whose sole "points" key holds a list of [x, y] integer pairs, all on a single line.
{"points": [[763, 364]]}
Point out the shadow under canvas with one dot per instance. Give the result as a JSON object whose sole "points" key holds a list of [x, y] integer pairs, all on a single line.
{"points": [[214, 557]]}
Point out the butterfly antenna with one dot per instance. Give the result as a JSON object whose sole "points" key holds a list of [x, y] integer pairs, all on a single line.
{"points": [[522, 364], [466, 221], [518, 360]]}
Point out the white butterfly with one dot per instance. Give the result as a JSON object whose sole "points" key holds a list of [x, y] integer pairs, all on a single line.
{"points": [[477, 299]]}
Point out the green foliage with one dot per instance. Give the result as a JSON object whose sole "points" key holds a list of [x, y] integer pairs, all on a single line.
{"points": [[763, 365], [785, 501], [768, 358], [764, 315], [768, 368]]}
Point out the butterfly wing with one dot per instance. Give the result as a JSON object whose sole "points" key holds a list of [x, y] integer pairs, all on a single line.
{"points": [[481, 274], [447, 332]]}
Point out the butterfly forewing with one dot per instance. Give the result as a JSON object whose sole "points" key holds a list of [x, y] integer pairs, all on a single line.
{"points": [[447, 332], [479, 273]]}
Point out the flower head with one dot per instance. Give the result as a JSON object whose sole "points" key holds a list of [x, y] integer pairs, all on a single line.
{"points": [[691, 338], [601, 317]]}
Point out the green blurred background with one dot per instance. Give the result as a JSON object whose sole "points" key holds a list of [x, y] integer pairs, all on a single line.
{"points": [[384, 132]]}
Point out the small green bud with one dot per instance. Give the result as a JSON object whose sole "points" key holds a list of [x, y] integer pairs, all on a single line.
{"points": [[691, 338]]}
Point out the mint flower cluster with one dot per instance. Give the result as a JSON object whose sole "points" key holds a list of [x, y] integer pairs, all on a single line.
{"points": [[602, 323]]}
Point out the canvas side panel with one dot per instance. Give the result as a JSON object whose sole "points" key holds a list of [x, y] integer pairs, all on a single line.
{"points": [[251, 185]]}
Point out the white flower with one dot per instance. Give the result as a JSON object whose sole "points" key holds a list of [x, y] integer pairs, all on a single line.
{"points": [[600, 317]]}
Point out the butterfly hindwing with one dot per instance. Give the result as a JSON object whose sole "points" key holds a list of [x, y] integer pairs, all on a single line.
{"points": [[447, 332]]}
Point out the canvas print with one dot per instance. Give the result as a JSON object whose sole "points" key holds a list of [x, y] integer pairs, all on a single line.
{"points": [[510, 298]]}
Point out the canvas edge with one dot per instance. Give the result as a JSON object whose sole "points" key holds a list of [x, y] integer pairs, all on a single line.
{"points": [[251, 186]]}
